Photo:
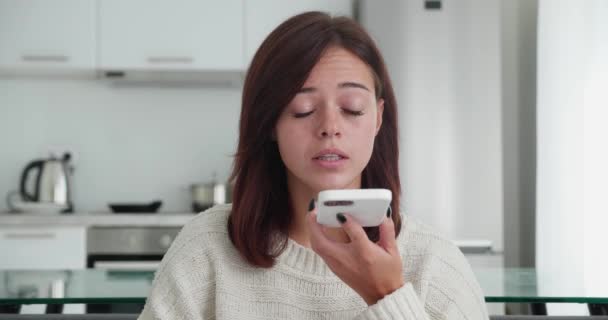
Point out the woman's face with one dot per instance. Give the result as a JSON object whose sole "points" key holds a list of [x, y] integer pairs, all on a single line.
{"points": [[326, 133]]}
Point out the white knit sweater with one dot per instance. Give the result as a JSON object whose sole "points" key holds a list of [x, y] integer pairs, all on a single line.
{"points": [[202, 276]]}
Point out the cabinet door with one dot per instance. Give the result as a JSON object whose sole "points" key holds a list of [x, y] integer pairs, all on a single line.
{"points": [[171, 35], [41, 34], [43, 247], [262, 16]]}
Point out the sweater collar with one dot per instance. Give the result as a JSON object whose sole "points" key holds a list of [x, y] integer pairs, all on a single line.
{"points": [[298, 257]]}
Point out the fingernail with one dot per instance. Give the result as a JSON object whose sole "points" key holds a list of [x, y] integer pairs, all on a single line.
{"points": [[341, 218], [311, 205], [389, 212]]}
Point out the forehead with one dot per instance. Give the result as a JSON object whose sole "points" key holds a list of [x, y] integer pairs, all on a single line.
{"points": [[337, 65]]}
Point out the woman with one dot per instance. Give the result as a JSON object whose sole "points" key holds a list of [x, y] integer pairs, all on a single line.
{"points": [[318, 112]]}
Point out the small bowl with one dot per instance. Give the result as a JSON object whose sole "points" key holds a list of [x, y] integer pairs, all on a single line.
{"points": [[151, 207]]}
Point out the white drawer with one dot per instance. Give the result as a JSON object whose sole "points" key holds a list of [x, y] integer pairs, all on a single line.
{"points": [[42, 247]]}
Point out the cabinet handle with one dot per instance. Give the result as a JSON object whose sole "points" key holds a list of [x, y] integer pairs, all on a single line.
{"points": [[45, 58], [127, 265], [30, 235], [182, 60]]}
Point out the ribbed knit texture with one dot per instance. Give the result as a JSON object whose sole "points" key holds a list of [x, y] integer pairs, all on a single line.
{"points": [[202, 276]]}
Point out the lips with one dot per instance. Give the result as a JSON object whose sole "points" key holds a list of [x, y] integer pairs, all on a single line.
{"points": [[330, 154]]}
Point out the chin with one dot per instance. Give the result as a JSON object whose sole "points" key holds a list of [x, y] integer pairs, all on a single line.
{"points": [[327, 185]]}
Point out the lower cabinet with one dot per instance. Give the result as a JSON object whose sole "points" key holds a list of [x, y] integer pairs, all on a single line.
{"points": [[43, 247]]}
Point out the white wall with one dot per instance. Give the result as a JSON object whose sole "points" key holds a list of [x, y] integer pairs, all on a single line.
{"points": [[572, 155], [130, 143], [446, 70]]}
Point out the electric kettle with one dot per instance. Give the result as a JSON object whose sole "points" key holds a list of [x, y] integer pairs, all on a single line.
{"points": [[51, 190]]}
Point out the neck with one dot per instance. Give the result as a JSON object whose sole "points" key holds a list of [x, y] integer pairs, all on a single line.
{"points": [[300, 196]]}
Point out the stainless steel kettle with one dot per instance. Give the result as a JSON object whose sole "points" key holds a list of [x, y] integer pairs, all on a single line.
{"points": [[51, 189]]}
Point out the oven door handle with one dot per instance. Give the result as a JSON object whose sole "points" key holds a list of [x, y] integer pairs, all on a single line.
{"points": [[127, 265]]}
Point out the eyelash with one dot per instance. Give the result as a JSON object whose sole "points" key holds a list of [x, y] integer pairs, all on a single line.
{"points": [[354, 113], [350, 112], [302, 115]]}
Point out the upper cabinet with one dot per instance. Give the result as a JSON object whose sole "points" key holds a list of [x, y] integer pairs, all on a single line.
{"points": [[42, 34], [262, 16], [117, 35], [171, 35]]}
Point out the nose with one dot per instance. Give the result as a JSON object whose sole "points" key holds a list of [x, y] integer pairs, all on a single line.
{"points": [[329, 126]]}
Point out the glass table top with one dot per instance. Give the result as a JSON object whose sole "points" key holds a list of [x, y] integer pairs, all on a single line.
{"points": [[74, 286], [107, 286], [527, 285]]}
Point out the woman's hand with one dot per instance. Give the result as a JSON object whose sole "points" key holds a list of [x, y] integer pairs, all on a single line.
{"points": [[373, 270]]}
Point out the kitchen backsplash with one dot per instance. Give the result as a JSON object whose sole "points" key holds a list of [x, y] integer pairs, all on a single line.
{"points": [[129, 143]]}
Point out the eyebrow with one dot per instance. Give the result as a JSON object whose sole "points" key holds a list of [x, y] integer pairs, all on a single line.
{"points": [[341, 86]]}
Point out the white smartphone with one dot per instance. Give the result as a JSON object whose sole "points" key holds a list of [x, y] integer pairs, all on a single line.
{"points": [[367, 206]]}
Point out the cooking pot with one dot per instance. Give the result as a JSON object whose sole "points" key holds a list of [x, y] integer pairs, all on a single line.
{"points": [[206, 195]]}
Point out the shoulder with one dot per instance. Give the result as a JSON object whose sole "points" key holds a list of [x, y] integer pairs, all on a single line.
{"points": [[209, 223], [203, 237], [437, 268], [212, 220], [417, 239], [427, 251], [183, 283]]}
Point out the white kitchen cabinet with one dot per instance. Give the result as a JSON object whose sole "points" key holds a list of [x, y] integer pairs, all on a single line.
{"points": [[190, 35], [170, 35], [262, 16], [47, 35], [43, 247]]}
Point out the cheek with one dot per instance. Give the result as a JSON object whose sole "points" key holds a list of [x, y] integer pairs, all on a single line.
{"points": [[363, 138], [365, 130], [290, 142]]}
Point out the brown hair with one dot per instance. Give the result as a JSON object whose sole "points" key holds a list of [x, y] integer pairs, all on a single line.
{"points": [[258, 224]]}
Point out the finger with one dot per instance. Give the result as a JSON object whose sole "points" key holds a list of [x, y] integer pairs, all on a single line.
{"points": [[387, 236], [353, 229], [319, 241]]}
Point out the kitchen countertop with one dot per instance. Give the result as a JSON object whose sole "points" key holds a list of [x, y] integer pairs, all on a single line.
{"points": [[96, 219], [160, 219]]}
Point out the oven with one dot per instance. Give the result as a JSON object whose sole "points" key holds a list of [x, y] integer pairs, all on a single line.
{"points": [[117, 248]]}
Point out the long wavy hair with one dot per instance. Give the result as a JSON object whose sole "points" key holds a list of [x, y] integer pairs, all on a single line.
{"points": [[258, 224]]}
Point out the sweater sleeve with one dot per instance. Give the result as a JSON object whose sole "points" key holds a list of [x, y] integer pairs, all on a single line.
{"points": [[405, 303], [401, 304], [439, 285]]}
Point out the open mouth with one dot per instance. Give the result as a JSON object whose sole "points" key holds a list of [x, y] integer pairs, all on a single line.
{"points": [[330, 157]]}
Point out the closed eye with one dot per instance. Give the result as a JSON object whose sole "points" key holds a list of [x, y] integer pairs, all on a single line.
{"points": [[347, 111], [354, 113], [302, 115]]}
